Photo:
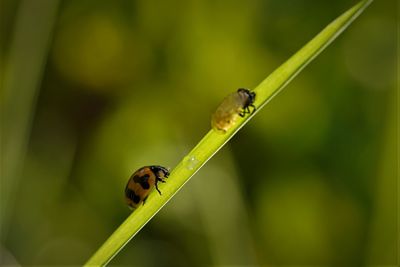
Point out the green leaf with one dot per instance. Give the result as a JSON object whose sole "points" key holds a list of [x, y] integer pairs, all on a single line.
{"points": [[214, 141]]}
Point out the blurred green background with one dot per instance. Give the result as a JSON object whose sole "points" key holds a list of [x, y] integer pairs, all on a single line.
{"points": [[93, 90]]}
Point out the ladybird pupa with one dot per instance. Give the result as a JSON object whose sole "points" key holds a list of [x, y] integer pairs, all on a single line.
{"points": [[234, 105]]}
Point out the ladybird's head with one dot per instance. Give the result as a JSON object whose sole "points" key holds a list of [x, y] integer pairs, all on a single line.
{"points": [[250, 96], [160, 172]]}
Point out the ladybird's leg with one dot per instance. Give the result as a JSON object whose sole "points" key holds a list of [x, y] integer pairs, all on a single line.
{"points": [[254, 109], [244, 112], [158, 189]]}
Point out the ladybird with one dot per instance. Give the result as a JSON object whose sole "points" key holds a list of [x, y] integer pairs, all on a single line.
{"points": [[142, 182], [234, 105]]}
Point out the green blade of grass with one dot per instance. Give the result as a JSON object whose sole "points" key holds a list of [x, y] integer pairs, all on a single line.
{"points": [[213, 141]]}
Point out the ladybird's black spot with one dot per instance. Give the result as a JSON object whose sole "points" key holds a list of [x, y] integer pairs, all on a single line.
{"points": [[132, 196], [138, 179], [136, 198], [128, 193], [145, 184], [142, 180]]}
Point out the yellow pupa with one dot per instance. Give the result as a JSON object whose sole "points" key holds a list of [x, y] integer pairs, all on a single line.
{"points": [[234, 105]]}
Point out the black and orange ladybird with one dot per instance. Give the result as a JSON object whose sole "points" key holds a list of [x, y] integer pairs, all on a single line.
{"points": [[141, 183], [234, 105]]}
